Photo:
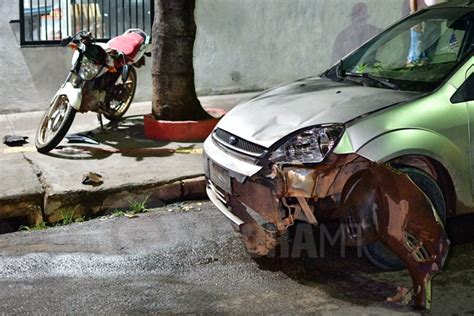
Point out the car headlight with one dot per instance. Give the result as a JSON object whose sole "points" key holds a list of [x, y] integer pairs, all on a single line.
{"points": [[89, 70], [309, 146]]}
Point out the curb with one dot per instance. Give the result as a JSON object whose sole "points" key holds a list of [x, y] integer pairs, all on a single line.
{"points": [[89, 203]]}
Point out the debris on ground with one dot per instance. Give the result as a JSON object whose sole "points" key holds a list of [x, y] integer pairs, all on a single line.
{"points": [[207, 260], [187, 208], [183, 207], [403, 296], [93, 179], [14, 140], [81, 139]]}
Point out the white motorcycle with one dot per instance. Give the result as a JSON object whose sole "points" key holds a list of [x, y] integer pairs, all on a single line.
{"points": [[102, 79]]}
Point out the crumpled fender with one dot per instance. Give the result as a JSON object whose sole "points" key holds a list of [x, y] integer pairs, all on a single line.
{"points": [[422, 142], [74, 95], [387, 206]]}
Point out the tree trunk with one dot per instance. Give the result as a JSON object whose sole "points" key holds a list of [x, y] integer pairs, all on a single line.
{"points": [[174, 32]]}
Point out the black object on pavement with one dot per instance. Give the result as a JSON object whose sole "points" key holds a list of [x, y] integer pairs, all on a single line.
{"points": [[93, 179], [80, 139], [14, 140]]}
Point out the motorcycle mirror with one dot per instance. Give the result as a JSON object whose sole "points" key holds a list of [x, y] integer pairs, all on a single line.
{"points": [[124, 73], [65, 41]]}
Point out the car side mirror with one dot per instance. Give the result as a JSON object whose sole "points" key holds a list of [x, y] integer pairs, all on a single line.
{"points": [[470, 88], [466, 92]]}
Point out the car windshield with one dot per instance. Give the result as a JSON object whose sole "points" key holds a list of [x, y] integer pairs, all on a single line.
{"points": [[416, 54]]}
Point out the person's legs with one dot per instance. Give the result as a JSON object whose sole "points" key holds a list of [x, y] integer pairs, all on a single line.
{"points": [[414, 52]]}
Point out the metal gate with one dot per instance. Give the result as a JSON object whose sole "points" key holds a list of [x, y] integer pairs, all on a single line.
{"points": [[44, 22]]}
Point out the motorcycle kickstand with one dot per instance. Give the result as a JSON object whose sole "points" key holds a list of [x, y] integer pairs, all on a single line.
{"points": [[99, 117]]}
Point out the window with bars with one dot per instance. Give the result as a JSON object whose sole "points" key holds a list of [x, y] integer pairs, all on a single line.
{"points": [[44, 22]]}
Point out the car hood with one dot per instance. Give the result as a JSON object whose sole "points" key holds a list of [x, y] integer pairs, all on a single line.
{"points": [[304, 103]]}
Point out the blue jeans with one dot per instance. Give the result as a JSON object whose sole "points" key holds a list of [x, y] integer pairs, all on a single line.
{"points": [[415, 54]]}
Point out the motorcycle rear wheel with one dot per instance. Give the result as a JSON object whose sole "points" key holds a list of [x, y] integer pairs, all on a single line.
{"points": [[118, 107], [55, 124]]}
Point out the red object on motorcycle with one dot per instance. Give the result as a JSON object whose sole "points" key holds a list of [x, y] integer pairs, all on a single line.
{"points": [[129, 44], [73, 46]]}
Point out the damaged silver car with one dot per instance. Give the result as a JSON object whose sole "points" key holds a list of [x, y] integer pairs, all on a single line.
{"points": [[380, 142]]}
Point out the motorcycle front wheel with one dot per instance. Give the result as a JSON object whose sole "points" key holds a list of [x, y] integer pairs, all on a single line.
{"points": [[55, 124], [122, 96]]}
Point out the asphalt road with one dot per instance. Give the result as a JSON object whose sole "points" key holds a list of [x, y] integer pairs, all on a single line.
{"points": [[188, 260]]}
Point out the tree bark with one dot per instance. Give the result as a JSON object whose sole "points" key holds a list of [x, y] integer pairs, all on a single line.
{"points": [[174, 32]]}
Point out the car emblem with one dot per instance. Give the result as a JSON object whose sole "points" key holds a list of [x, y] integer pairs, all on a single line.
{"points": [[233, 140]]}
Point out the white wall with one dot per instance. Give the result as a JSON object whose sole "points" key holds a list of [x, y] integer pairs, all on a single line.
{"points": [[250, 45], [241, 45]]}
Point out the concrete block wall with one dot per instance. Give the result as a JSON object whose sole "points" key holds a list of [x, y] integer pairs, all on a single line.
{"points": [[241, 45]]}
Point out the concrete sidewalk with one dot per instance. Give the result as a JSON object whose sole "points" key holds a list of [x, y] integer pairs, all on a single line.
{"points": [[38, 187]]}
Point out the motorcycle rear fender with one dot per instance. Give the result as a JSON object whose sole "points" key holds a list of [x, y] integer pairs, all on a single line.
{"points": [[74, 95]]}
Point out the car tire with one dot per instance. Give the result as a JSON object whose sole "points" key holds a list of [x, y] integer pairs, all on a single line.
{"points": [[377, 253]]}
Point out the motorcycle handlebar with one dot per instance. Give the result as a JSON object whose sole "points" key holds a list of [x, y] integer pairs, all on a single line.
{"points": [[84, 36]]}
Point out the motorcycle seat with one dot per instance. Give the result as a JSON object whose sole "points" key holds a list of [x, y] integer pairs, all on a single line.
{"points": [[129, 44]]}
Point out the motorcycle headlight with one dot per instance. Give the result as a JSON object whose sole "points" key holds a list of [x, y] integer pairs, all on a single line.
{"points": [[309, 146], [89, 70]]}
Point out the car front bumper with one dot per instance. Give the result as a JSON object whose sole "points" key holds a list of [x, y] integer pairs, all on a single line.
{"points": [[276, 194], [374, 203]]}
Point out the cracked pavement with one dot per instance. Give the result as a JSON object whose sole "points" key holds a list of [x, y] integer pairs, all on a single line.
{"points": [[42, 186]]}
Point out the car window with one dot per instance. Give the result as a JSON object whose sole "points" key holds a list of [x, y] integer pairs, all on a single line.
{"points": [[418, 52], [449, 44], [465, 93]]}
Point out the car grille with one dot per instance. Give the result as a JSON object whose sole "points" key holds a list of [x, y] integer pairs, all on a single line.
{"points": [[238, 144]]}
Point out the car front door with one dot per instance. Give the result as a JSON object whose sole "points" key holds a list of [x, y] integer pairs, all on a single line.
{"points": [[465, 96], [467, 90]]}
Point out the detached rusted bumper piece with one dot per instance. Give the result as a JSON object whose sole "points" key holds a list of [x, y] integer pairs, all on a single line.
{"points": [[374, 203], [399, 214]]}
